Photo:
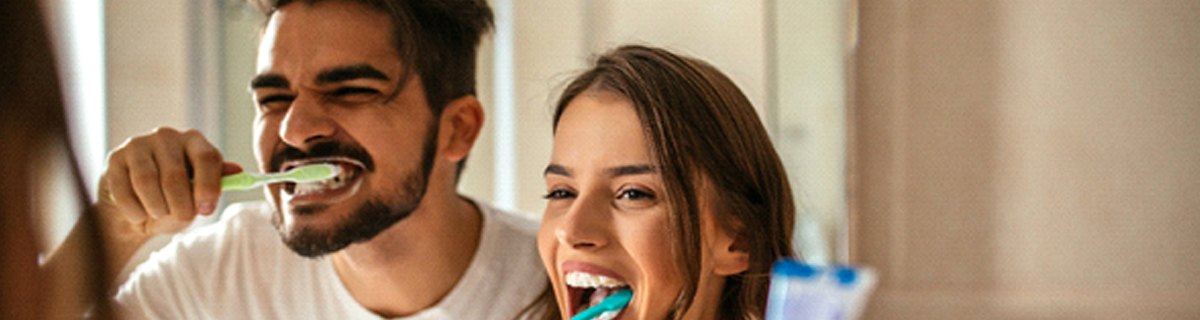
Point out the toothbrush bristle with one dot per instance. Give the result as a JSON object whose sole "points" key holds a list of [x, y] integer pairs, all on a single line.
{"points": [[315, 172]]}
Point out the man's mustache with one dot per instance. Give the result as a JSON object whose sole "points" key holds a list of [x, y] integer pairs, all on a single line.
{"points": [[322, 150]]}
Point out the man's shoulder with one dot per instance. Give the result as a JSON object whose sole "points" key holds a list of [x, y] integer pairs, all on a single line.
{"points": [[515, 221], [214, 270], [508, 247], [243, 227], [239, 225], [250, 214]]}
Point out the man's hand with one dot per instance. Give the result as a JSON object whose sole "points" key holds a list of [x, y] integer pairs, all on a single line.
{"points": [[157, 183]]}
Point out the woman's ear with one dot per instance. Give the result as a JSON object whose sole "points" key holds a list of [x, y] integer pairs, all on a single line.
{"points": [[730, 252], [461, 122]]}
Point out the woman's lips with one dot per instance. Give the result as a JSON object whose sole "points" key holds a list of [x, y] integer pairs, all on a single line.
{"points": [[587, 284], [579, 266]]}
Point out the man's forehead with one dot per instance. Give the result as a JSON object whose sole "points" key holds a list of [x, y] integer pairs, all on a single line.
{"points": [[313, 38]]}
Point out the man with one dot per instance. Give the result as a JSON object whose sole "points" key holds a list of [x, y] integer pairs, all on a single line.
{"points": [[384, 91]]}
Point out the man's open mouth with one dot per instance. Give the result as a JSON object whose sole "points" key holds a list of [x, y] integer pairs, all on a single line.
{"points": [[345, 183], [586, 290]]}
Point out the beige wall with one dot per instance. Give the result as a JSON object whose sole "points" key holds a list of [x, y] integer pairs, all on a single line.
{"points": [[239, 46], [147, 66], [1028, 159], [809, 49]]}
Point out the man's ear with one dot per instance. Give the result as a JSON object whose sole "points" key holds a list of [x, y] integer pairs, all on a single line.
{"points": [[461, 122], [730, 252]]}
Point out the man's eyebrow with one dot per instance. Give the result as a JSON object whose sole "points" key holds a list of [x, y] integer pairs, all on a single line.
{"points": [[556, 169], [629, 170], [269, 80], [351, 72]]}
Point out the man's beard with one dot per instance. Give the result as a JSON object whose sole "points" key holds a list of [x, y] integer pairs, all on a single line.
{"points": [[368, 220]]}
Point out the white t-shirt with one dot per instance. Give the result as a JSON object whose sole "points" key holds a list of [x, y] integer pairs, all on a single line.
{"points": [[240, 269]]}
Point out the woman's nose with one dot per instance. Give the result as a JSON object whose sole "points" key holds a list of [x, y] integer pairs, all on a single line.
{"points": [[306, 122], [585, 225]]}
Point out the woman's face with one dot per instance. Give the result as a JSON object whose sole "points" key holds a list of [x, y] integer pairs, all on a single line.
{"points": [[605, 225]]}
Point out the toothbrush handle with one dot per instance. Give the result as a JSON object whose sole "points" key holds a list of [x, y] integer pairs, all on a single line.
{"points": [[240, 181], [614, 302], [588, 314]]}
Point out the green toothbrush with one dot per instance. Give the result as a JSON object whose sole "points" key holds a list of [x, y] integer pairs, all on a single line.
{"points": [[302, 174], [607, 308]]}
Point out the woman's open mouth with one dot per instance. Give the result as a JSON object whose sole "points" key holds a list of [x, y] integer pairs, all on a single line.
{"points": [[587, 290], [334, 189]]}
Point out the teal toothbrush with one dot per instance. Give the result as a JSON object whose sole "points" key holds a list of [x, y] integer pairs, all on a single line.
{"points": [[612, 304], [302, 174]]}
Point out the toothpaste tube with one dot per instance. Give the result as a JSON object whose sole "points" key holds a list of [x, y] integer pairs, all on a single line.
{"points": [[812, 292]]}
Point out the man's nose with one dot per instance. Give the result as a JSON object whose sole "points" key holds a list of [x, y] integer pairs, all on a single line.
{"points": [[307, 122], [586, 224]]}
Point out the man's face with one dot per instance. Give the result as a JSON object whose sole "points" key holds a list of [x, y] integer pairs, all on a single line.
{"points": [[330, 89]]}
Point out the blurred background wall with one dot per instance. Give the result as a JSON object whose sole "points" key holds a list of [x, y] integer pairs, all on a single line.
{"points": [[1028, 159]]}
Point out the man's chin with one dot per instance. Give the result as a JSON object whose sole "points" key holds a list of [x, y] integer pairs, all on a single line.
{"points": [[317, 230], [313, 243], [313, 231]]}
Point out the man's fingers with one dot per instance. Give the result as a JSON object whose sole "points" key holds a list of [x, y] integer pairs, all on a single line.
{"points": [[159, 181], [143, 175], [207, 169], [120, 193], [173, 177], [229, 168]]}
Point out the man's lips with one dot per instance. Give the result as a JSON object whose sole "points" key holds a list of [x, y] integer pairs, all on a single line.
{"points": [[331, 190], [345, 162]]}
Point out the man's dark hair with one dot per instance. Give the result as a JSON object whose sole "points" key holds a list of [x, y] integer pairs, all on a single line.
{"points": [[440, 38]]}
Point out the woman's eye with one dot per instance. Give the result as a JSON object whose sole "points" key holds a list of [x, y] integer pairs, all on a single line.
{"points": [[635, 199], [557, 194], [635, 194]]}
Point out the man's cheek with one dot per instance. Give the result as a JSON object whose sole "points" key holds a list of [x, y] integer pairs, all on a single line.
{"points": [[262, 149]]}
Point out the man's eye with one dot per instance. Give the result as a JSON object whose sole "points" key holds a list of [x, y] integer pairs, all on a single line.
{"points": [[273, 102], [557, 194], [350, 91]]}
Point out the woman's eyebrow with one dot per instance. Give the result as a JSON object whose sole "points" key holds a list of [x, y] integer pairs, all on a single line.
{"points": [[628, 170], [556, 169]]}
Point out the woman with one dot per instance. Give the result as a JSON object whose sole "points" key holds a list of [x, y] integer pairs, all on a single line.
{"points": [[664, 182], [33, 135]]}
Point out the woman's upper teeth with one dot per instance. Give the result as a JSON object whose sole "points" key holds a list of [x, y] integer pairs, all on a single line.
{"points": [[587, 280]]}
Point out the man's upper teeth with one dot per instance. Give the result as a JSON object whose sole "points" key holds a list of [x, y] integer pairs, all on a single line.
{"points": [[332, 183], [587, 280]]}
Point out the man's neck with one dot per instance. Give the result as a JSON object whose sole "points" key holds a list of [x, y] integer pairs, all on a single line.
{"points": [[414, 264]]}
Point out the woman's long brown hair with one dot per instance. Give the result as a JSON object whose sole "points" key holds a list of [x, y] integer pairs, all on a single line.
{"points": [[702, 129], [32, 125]]}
